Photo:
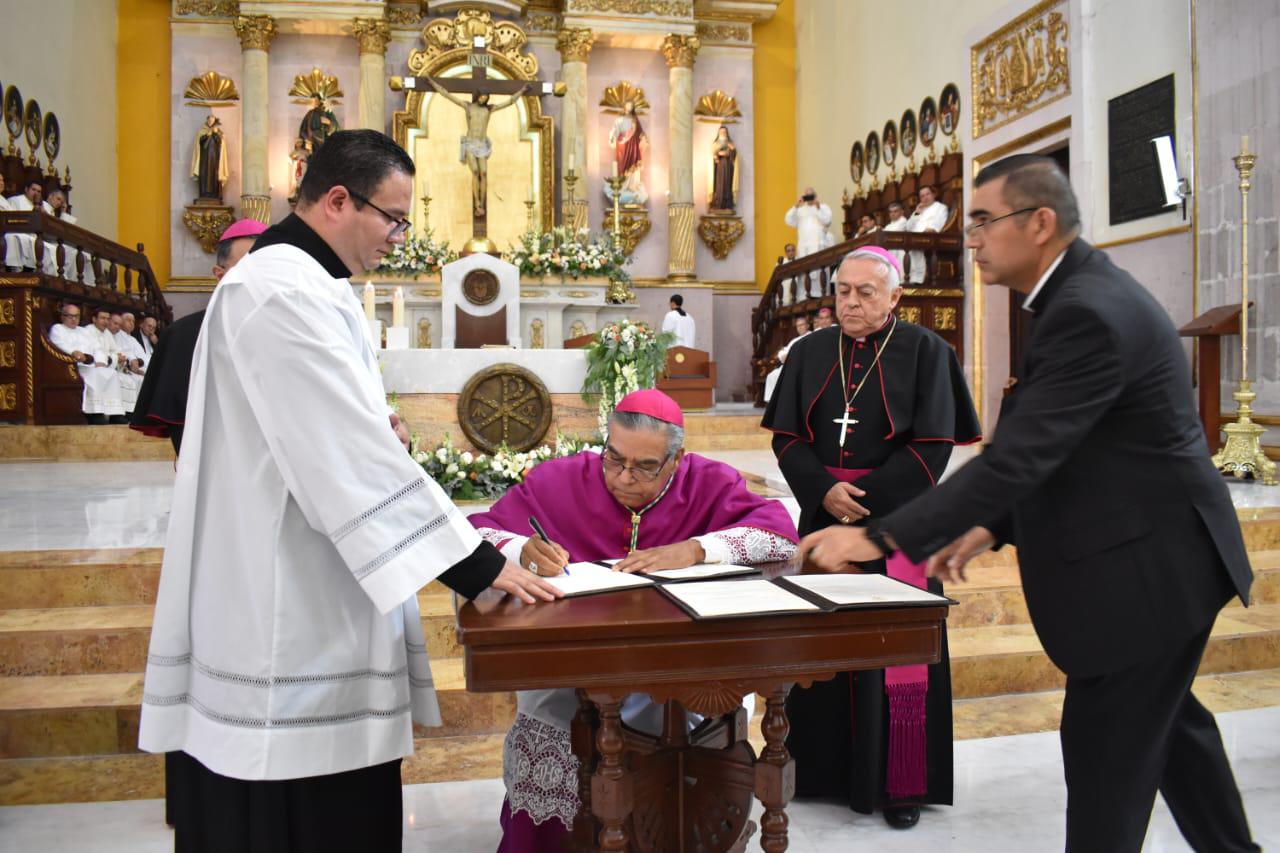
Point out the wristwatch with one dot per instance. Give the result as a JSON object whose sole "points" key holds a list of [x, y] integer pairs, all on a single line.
{"points": [[876, 536]]}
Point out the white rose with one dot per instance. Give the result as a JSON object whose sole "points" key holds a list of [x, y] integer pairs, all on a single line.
{"points": [[467, 458], [442, 454], [452, 469]]}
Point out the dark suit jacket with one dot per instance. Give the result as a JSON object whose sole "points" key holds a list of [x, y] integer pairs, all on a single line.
{"points": [[1099, 472]]}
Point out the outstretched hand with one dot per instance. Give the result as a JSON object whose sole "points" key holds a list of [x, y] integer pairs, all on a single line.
{"points": [[833, 548], [948, 564], [524, 585], [681, 555]]}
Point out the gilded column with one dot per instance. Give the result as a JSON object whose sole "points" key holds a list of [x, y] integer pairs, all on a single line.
{"points": [[256, 33], [680, 52], [373, 35], [574, 44]]}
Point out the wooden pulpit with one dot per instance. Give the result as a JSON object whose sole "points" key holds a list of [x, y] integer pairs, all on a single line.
{"points": [[690, 378], [1209, 328]]}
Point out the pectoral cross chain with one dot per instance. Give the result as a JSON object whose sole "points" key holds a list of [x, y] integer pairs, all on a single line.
{"points": [[845, 422]]}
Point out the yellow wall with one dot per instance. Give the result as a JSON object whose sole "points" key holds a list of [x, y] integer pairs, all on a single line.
{"points": [[774, 94], [142, 142], [61, 54]]}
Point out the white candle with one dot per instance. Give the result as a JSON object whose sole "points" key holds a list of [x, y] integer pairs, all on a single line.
{"points": [[615, 168], [532, 197], [570, 161], [426, 190], [397, 308], [368, 300]]}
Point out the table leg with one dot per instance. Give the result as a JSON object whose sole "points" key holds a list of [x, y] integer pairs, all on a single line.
{"points": [[775, 773], [611, 799], [583, 736]]}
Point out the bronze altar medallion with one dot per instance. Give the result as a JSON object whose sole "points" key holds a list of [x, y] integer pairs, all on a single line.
{"points": [[480, 287], [504, 404]]}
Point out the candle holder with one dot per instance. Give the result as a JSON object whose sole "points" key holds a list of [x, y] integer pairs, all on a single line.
{"points": [[1242, 455], [615, 185], [426, 213], [568, 216], [531, 222]]}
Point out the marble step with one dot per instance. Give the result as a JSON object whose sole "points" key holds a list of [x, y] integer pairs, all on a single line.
{"points": [[1002, 659], [114, 442], [123, 776]]}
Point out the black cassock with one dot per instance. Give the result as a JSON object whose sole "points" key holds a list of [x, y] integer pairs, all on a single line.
{"points": [[912, 409]]}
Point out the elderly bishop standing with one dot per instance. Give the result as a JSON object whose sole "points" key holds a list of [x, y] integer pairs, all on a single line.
{"points": [[864, 418]]}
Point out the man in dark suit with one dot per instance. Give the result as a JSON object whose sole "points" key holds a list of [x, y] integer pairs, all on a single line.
{"points": [[1127, 539]]}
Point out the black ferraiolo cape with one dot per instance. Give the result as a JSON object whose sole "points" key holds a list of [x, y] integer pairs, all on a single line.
{"points": [[162, 401], [914, 406]]}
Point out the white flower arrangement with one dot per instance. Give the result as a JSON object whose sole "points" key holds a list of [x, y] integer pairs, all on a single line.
{"points": [[467, 476], [562, 252], [418, 256], [624, 357]]}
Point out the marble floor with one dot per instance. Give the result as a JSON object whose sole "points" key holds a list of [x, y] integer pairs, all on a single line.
{"points": [[56, 505], [1009, 794]]}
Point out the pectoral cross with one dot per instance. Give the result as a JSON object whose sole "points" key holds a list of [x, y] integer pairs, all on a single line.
{"points": [[845, 422], [481, 88]]}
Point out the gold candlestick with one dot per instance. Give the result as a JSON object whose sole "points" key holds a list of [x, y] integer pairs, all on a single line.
{"points": [[532, 223], [568, 215], [426, 213], [1242, 455], [615, 185]]}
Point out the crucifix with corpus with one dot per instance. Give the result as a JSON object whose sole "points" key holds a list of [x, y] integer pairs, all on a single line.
{"points": [[476, 146]]}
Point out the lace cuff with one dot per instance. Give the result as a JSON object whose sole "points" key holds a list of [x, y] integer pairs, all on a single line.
{"points": [[745, 546], [540, 771], [510, 544]]}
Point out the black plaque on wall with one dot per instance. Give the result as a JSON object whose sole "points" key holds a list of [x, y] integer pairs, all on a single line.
{"points": [[1133, 120]]}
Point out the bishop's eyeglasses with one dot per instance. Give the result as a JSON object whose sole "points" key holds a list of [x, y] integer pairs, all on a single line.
{"points": [[399, 224], [647, 472]]}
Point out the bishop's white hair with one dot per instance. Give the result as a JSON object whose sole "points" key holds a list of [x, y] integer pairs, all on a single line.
{"points": [[891, 279]]}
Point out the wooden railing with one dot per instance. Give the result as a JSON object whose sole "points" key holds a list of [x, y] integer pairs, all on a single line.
{"points": [[72, 265], [937, 303]]}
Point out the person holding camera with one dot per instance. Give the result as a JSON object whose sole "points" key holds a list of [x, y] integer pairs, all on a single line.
{"points": [[810, 218]]}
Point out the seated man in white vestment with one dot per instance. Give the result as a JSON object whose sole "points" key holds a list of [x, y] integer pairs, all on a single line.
{"points": [[647, 501], [929, 216], [20, 249], [801, 323], [102, 401], [287, 656], [130, 361], [55, 204], [897, 222]]}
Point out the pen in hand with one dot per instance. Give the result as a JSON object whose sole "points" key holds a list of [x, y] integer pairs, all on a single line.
{"points": [[542, 534]]}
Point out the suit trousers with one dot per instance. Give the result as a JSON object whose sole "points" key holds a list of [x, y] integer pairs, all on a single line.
{"points": [[1126, 735]]}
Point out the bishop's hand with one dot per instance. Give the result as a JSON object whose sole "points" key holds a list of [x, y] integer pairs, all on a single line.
{"points": [[832, 549], [543, 558], [527, 587], [681, 555], [948, 564], [840, 504]]}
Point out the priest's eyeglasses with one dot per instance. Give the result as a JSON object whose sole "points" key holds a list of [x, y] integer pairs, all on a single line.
{"points": [[973, 227], [647, 472], [399, 226]]}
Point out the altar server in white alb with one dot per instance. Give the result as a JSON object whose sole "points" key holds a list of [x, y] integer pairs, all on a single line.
{"points": [[929, 215], [679, 323], [287, 658]]}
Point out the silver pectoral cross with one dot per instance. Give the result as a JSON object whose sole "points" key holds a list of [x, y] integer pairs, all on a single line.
{"points": [[845, 422]]}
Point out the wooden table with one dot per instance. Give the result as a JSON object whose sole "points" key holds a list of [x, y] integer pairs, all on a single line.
{"points": [[680, 791]]}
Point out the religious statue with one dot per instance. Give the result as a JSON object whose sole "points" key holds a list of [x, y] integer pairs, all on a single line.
{"points": [[209, 159], [724, 157], [476, 146], [629, 140], [424, 333], [318, 124], [298, 159]]}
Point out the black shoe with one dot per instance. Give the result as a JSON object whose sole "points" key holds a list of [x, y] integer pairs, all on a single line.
{"points": [[902, 817]]}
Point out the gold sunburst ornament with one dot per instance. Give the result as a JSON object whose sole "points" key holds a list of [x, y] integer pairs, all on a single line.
{"points": [[211, 89], [316, 84], [617, 97], [718, 107]]}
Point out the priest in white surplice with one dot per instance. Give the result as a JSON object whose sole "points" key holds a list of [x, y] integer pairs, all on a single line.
{"points": [[810, 218], [56, 206], [679, 323], [130, 361], [930, 215], [897, 222], [287, 657], [95, 359], [20, 249]]}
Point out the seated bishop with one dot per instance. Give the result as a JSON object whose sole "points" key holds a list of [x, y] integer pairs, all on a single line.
{"points": [[864, 419], [647, 501]]}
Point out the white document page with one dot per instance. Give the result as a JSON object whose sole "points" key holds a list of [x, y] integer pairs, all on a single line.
{"points": [[847, 589], [737, 598], [586, 578], [702, 571]]}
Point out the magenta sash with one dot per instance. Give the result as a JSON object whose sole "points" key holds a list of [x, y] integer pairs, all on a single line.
{"points": [[905, 687]]}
